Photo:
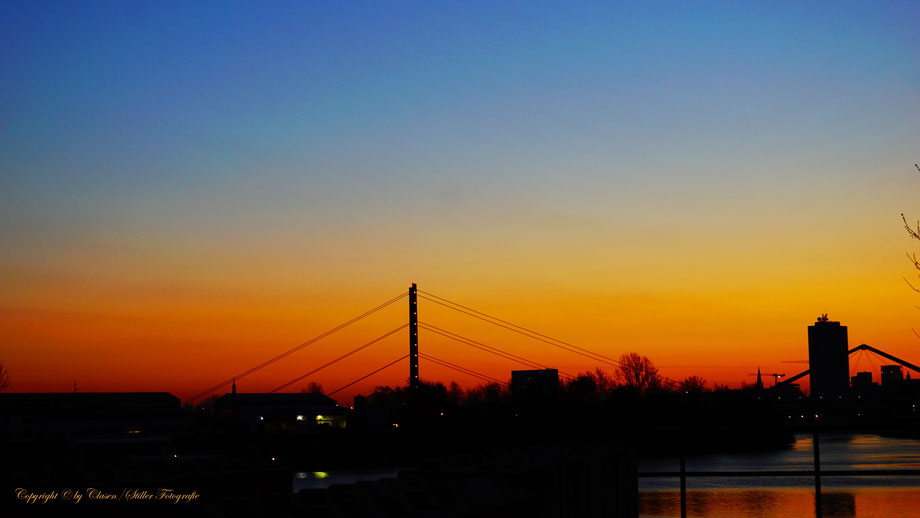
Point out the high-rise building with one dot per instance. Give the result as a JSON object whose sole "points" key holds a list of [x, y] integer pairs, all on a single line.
{"points": [[828, 360]]}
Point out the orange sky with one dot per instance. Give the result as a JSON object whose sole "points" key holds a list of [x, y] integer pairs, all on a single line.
{"points": [[117, 330], [185, 195], [706, 295]]}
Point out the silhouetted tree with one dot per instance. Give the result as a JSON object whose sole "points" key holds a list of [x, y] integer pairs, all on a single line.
{"points": [[487, 394], [692, 385], [605, 384], [454, 394], [312, 387], [582, 389], [638, 374], [589, 387], [385, 395], [4, 377]]}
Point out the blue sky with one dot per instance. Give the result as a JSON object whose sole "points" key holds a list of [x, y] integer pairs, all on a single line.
{"points": [[298, 146], [159, 110]]}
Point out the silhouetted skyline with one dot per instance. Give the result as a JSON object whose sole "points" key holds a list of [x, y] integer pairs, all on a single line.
{"points": [[189, 190]]}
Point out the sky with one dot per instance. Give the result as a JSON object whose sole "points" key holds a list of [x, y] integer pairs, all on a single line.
{"points": [[188, 188]]}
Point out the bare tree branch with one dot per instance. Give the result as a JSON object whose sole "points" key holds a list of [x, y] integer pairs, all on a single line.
{"points": [[639, 374], [915, 234], [692, 385], [4, 377], [913, 259], [911, 285]]}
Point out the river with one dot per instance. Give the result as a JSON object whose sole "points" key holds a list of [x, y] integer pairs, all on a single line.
{"points": [[791, 497]]}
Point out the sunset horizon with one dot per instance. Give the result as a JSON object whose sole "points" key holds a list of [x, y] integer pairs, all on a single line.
{"points": [[188, 193], [466, 259]]}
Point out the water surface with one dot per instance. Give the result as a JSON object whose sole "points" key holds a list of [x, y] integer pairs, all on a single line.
{"points": [[859, 496]]}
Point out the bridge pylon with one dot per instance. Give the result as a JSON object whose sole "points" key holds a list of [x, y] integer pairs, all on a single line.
{"points": [[413, 336]]}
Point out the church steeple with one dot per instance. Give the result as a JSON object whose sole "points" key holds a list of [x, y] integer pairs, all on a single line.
{"points": [[759, 384]]}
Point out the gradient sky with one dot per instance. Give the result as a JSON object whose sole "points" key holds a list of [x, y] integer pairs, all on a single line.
{"points": [[188, 189]]}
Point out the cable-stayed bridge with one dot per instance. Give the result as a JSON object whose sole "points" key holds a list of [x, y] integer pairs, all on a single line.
{"points": [[414, 355]]}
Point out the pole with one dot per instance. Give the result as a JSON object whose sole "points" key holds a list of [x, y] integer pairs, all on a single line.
{"points": [[413, 336], [683, 487], [817, 451]]}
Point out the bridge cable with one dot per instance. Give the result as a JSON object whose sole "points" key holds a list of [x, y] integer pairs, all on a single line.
{"points": [[483, 347], [297, 348], [461, 370], [859, 357], [488, 348], [517, 328], [596, 357], [555, 342], [394, 362], [340, 358], [872, 361], [464, 370]]}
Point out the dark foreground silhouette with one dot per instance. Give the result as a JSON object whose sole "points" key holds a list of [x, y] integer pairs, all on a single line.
{"points": [[564, 450]]}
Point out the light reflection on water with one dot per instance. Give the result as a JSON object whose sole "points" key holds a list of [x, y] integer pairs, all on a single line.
{"points": [[787, 503], [863, 497], [324, 479]]}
